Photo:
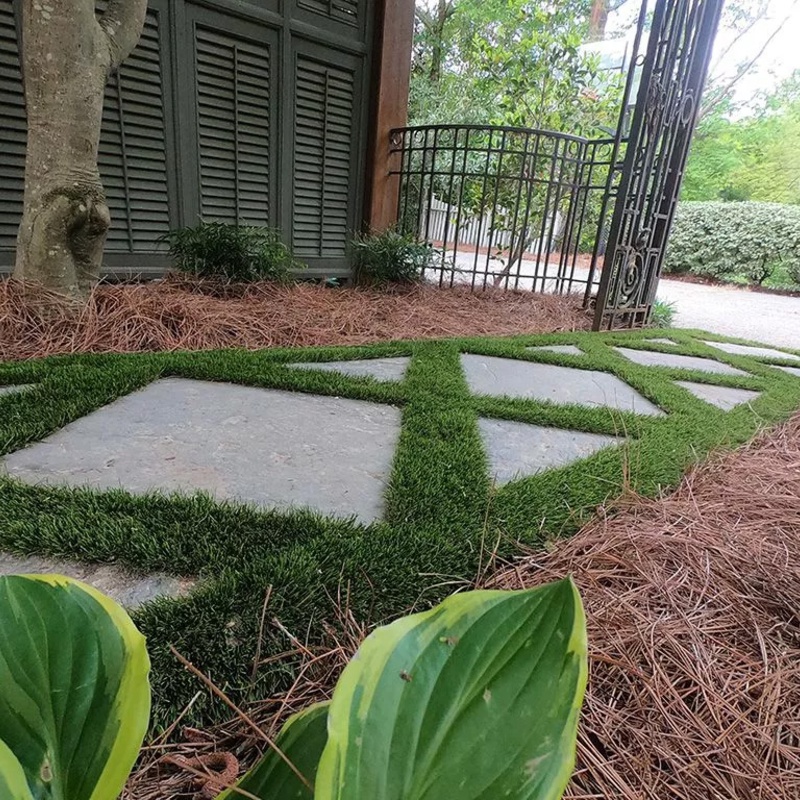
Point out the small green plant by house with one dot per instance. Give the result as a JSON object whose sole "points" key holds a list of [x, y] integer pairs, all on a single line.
{"points": [[238, 253], [478, 697], [390, 257]]}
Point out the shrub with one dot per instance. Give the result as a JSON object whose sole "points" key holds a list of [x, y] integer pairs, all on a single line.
{"points": [[483, 690], [390, 257], [726, 239], [237, 253], [663, 314]]}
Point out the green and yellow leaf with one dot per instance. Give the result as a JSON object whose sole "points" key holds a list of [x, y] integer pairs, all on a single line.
{"points": [[477, 699], [13, 785], [301, 740], [74, 690]]}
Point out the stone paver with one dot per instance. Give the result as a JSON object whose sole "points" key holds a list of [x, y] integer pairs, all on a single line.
{"points": [[126, 588], [651, 358], [516, 449], [663, 341], [724, 397], [756, 352], [262, 446], [383, 369], [526, 379], [565, 349], [791, 370], [13, 389]]}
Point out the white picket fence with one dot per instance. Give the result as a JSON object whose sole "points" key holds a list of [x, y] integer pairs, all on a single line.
{"points": [[444, 221]]}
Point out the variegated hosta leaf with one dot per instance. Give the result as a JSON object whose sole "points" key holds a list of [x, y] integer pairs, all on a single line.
{"points": [[74, 693], [477, 699], [13, 785], [301, 740]]}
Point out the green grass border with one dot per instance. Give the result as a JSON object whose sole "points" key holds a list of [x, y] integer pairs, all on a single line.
{"points": [[441, 508]]}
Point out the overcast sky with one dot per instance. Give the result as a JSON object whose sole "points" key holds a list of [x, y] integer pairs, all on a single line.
{"points": [[779, 61]]}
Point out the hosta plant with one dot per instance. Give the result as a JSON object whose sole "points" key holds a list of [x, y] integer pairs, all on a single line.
{"points": [[476, 699]]}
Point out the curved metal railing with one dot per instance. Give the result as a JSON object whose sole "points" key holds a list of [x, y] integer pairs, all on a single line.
{"points": [[518, 208]]}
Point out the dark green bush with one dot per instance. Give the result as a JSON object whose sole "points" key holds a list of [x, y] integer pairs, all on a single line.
{"points": [[749, 240], [237, 253], [390, 257]]}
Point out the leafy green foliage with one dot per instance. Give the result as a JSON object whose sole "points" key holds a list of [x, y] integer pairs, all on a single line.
{"points": [[750, 156], [74, 693], [477, 698], [728, 239], [484, 692], [663, 314], [390, 257], [238, 253], [510, 62]]}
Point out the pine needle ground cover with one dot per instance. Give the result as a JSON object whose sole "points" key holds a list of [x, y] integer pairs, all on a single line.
{"points": [[443, 513]]}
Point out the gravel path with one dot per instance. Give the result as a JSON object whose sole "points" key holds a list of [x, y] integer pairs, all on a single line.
{"points": [[769, 318]]}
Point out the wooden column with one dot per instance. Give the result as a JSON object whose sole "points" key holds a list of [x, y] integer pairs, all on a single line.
{"points": [[391, 76]]}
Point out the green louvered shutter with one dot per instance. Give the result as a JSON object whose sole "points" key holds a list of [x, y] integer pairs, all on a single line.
{"points": [[133, 148], [322, 208], [12, 135], [233, 124], [346, 11]]}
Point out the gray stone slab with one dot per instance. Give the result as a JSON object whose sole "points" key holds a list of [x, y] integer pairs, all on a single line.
{"points": [[662, 341], [516, 450], [756, 352], [125, 587], [262, 446], [566, 349], [650, 358], [382, 369], [723, 397], [526, 379], [14, 389], [791, 370]]}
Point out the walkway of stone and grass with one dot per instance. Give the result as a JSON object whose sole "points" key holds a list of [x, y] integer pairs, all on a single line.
{"points": [[381, 473]]}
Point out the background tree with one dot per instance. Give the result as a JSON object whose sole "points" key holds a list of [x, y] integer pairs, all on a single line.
{"points": [[67, 55]]}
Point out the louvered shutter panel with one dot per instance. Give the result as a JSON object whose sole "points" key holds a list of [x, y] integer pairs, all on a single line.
{"points": [[132, 156], [341, 10], [12, 131], [233, 119], [324, 129]]}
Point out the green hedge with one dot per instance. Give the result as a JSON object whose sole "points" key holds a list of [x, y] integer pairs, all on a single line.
{"points": [[750, 241]]}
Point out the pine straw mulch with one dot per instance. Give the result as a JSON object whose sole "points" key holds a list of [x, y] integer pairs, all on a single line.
{"points": [[692, 603], [178, 313]]}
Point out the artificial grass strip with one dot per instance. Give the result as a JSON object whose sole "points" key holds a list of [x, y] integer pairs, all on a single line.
{"points": [[441, 508]]}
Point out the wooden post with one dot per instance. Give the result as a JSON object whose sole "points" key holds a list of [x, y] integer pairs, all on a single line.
{"points": [[391, 77]]}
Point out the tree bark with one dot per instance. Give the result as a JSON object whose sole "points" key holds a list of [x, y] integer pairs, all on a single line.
{"points": [[598, 19], [67, 56]]}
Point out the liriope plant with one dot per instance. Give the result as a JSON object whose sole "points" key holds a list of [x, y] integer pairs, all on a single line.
{"points": [[476, 699]]}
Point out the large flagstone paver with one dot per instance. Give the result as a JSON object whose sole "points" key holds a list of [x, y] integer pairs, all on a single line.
{"points": [[724, 397], [651, 358], [516, 449], [526, 379], [791, 370], [126, 588], [262, 446], [383, 369], [756, 352]]}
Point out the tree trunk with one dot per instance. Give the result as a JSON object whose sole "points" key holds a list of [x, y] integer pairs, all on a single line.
{"points": [[598, 20], [67, 55]]}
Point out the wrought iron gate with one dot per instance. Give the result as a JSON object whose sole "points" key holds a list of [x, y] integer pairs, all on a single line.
{"points": [[648, 180]]}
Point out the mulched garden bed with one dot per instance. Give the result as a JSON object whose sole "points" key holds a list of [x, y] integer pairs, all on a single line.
{"points": [[180, 314], [691, 604]]}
